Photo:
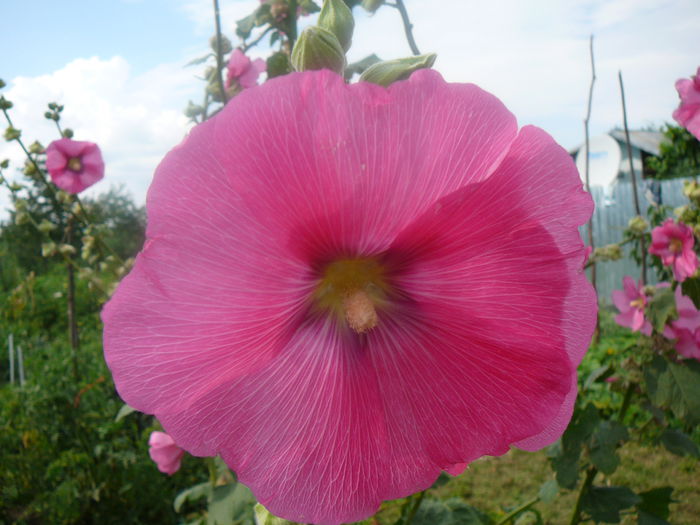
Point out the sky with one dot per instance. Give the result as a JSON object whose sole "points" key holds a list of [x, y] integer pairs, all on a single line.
{"points": [[119, 66]]}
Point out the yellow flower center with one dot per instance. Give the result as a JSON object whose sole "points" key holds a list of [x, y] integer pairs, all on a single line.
{"points": [[74, 164], [637, 303], [352, 289], [676, 246]]}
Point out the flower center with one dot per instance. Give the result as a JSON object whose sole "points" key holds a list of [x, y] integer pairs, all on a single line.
{"points": [[637, 303], [74, 164], [352, 289], [676, 245]]}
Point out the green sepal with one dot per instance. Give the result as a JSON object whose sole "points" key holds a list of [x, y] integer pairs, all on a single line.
{"points": [[390, 71]]}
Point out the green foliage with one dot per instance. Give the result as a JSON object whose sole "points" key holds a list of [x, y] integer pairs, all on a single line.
{"points": [[449, 512], [675, 386], [679, 155], [679, 443], [604, 504]]}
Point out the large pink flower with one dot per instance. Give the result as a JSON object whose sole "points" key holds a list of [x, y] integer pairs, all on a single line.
{"points": [[347, 289], [165, 452], [74, 165], [243, 71], [631, 301], [688, 112], [673, 242]]}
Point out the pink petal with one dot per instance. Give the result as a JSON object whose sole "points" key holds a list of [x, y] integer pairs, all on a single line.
{"points": [[630, 287], [621, 300]]}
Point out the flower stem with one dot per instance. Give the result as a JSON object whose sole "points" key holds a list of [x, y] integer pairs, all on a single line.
{"points": [[576, 514], [518, 510], [219, 56], [407, 26], [72, 320], [414, 508]]}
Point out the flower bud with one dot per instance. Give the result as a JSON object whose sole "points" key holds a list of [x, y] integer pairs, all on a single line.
{"points": [[46, 226], [66, 249], [336, 17], [2, 83], [16, 186], [48, 249], [226, 46], [318, 48], [36, 148], [5, 163], [5, 104], [29, 168], [63, 197], [12, 134], [611, 252], [21, 218], [193, 110], [68, 133], [372, 5], [390, 71], [638, 224]]}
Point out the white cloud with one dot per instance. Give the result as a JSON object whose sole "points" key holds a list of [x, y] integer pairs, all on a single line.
{"points": [[135, 119]]}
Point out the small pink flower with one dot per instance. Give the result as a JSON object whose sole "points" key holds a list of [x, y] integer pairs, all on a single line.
{"points": [[688, 113], [242, 71], [674, 242], [166, 454], [685, 329], [631, 301], [348, 289], [74, 165]]}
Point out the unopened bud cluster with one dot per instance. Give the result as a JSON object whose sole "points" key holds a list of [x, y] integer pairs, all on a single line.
{"points": [[610, 252], [638, 225]]}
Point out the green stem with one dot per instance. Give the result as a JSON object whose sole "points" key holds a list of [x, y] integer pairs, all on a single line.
{"points": [[408, 27], [626, 401], [518, 510], [219, 56], [414, 508], [576, 514], [292, 25]]}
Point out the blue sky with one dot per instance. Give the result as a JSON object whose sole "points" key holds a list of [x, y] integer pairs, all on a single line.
{"points": [[118, 65]]}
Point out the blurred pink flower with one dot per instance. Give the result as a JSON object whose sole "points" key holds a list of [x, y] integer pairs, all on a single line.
{"points": [[688, 112], [673, 242], [342, 282], [685, 329], [74, 165], [631, 301], [166, 454], [242, 71]]}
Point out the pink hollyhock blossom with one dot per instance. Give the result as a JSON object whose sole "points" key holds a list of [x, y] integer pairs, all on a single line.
{"points": [[631, 301], [166, 454], [673, 242], [347, 289], [74, 165], [688, 113], [242, 71], [685, 329]]}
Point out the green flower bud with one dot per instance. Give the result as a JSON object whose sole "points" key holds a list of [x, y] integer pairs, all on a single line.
{"points": [[15, 186], [66, 249], [5, 104], [318, 48], [390, 71], [46, 226], [372, 5], [12, 134], [21, 218], [68, 133], [5, 163], [48, 249], [20, 204], [2, 83], [226, 46], [638, 224], [29, 168], [63, 197], [611, 252], [36, 147], [336, 17], [193, 110]]}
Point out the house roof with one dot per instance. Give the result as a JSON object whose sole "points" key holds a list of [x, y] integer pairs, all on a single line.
{"points": [[647, 141]]}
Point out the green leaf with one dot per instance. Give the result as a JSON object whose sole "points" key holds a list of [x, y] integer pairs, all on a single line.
{"points": [[245, 25], [660, 308], [675, 386], [605, 503], [549, 491], [192, 494], [566, 454], [124, 411], [656, 501], [604, 443], [229, 504], [599, 374], [199, 60], [679, 443], [691, 288], [644, 518]]}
